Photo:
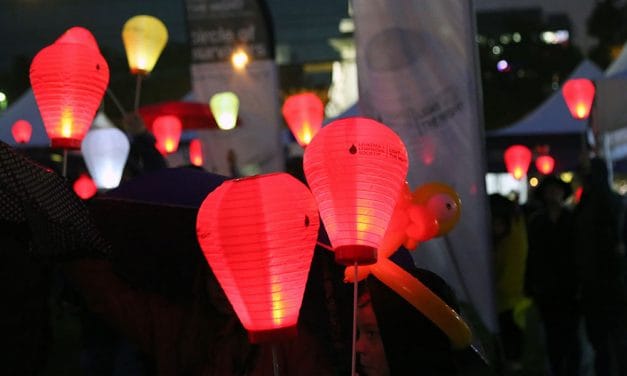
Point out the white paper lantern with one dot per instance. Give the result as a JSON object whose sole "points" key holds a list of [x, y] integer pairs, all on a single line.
{"points": [[105, 151]]}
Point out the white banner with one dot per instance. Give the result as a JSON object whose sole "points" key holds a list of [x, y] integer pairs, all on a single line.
{"points": [[255, 141], [418, 74]]}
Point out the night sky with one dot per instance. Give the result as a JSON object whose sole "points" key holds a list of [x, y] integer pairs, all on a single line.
{"points": [[27, 26]]}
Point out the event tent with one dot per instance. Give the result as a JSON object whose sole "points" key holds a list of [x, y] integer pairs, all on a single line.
{"points": [[550, 124]]}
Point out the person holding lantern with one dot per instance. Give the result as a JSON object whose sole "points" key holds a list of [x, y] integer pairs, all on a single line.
{"points": [[396, 339]]}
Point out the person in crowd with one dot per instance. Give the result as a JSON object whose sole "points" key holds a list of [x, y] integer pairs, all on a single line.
{"points": [[599, 256], [551, 280], [394, 338], [509, 240]]}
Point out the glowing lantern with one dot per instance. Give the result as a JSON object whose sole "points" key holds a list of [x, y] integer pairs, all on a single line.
{"points": [[167, 130], [258, 235], [195, 153], [144, 38], [78, 35], [21, 131], [578, 94], [517, 160], [84, 187], [105, 151], [356, 168], [224, 107], [68, 81], [545, 164], [304, 114]]}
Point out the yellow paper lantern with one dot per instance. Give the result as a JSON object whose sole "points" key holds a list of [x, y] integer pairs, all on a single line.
{"points": [[224, 107], [144, 39]]}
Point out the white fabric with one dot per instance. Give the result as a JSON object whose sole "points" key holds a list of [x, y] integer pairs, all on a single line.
{"points": [[256, 142], [418, 74]]}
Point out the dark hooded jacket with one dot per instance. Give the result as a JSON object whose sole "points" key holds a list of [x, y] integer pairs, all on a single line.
{"points": [[413, 344]]}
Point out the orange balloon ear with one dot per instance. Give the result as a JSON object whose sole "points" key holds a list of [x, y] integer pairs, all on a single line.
{"points": [[424, 300], [442, 201]]}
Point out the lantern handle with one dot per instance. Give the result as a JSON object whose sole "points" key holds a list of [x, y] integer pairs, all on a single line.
{"points": [[64, 168], [354, 352], [138, 89], [116, 102]]}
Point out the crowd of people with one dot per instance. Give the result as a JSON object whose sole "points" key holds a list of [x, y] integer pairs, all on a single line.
{"points": [[169, 316], [567, 259]]}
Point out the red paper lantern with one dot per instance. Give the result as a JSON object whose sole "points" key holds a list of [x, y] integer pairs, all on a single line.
{"points": [[84, 187], [21, 131], [517, 160], [78, 35], [167, 130], [578, 94], [195, 153], [545, 164], [258, 235], [68, 81], [304, 114], [356, 168]]}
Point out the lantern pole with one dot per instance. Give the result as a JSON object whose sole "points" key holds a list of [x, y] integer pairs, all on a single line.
{"points": [[354, 354], [138, 89], [64, 168], [116, 102], [275, 360]]}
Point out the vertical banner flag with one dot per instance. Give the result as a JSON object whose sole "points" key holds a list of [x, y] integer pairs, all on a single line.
{"points": [[217, 28], [418, 74]]}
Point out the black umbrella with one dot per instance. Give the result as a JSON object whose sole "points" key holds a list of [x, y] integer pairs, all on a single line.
{"points": [[59, 222]]}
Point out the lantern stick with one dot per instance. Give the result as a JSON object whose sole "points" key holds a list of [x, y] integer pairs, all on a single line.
{"points": [[116, 102], [64, 169], [138, 89], [325, 246], [354, 355], [275, 360]]}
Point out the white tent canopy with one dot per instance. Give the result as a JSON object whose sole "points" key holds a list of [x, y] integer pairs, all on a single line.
{"points": [[552, 117]]}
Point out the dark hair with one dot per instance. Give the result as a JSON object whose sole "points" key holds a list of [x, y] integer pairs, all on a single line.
{"points": [[552, 180]]}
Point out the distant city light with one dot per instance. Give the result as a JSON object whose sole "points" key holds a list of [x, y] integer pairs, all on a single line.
{"points": [[516, 37], [502, 66], [496, 50], [555, 37], [533, 182], [239, 59], [3, 101], [347, 25], [567, 177]]}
